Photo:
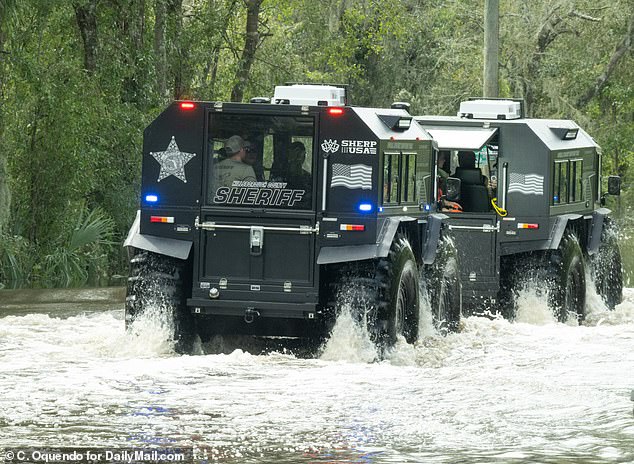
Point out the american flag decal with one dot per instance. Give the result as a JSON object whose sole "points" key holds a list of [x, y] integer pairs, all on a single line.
{"points": [[528, 184], [352, 176]]}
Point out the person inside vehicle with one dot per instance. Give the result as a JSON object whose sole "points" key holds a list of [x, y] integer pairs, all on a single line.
{"points": [[253, 160], [443, 175], [234, 167], [298, 177], [443, 166]]}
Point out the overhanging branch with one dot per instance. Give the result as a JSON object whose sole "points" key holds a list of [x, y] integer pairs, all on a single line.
{"points": [[620, 51]]}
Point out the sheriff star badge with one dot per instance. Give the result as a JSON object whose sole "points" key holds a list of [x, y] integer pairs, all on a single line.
{"points": [[172, 161]]}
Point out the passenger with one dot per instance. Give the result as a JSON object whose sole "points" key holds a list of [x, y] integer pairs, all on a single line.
{"points": [[443, 175], [234, 167], [443, 168], [298, 177], [254, 161]]}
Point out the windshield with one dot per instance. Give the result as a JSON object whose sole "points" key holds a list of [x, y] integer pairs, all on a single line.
{"points": [[260, 161]]}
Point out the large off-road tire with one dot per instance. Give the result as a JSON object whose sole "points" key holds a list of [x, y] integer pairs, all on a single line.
{"points": [[382, 295], [507, 295], [157, 287], [400, 302], [519, 272], [442, 279], [607, 268], [567, 279]]}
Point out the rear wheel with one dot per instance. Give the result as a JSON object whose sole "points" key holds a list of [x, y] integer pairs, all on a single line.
{"points": [[444, 287], [157, 289], [607, 268], [567, 296]]}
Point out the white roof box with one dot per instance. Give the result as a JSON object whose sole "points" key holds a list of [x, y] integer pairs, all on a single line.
{"points": [[490, 109], [311, 95]]}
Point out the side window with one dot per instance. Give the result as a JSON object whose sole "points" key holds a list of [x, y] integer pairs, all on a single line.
{"points": [[409, 178], [560, 182], [567, 182], [399, 178], [576, 181], [390, 178]]}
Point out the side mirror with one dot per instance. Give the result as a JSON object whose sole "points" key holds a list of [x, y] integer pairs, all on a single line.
{"points": [[614, 185], [453, 189]]}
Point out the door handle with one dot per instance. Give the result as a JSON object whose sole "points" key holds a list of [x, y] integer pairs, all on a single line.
{"points": [[256, 240], [303, 230]]}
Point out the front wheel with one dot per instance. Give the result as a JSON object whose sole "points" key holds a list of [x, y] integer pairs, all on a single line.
{"points": [[568, 280], [607, 268], [382, 295]]}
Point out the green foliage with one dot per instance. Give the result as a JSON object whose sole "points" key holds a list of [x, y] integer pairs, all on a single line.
{"points": [[80, 255], [71, 139], [17, 259]]}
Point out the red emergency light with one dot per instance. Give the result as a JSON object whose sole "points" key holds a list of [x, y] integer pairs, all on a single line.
{"points": [[335, 111], [187, 106]]}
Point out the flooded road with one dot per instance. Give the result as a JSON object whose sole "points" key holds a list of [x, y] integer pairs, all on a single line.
{"points": [[529, 391]]}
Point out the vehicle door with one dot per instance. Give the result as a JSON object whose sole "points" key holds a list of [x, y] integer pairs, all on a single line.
{"points": [[257, 221], [475, 228]]}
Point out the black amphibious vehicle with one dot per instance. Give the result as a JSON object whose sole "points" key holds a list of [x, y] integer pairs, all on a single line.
{"points": [[532, 208], [266, 218], [272, 217]]}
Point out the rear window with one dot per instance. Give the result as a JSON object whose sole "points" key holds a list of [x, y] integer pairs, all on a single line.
{"points": [[260, 161]]}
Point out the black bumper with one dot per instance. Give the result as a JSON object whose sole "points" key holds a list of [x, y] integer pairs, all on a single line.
{"points": [[257, 309]]}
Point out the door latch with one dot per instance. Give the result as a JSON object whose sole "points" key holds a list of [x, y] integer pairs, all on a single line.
{"points": [[256, 240]]}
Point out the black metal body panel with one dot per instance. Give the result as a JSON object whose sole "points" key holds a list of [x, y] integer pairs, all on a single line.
{"points": [[476, 240], [181, 228], [595, 229], [536, 219], [281, 277], [284, 256], [181, 190], [330, 233]]}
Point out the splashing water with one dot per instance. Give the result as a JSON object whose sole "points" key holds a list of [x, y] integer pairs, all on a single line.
{"points": [[532, 306], [152, 330], [349, 340]]}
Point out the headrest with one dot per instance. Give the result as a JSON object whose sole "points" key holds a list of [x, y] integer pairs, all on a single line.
{"points": [[466, 159], [470, 176]]}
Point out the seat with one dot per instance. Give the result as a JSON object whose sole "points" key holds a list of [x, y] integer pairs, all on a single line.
{"points": [[471, 176], [474, 196]]}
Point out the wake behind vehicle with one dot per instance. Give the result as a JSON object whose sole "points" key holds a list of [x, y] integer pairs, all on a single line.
{"points": [[268, 218], [531, 191]]}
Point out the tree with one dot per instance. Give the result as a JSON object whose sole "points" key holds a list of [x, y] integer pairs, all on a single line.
{"points": [[160, 54], [248, 53], [622, 49], [491, 35], [6, 11], [86, 15]]}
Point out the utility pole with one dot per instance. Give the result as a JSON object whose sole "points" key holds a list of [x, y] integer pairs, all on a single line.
{"points": [[491, 47]]}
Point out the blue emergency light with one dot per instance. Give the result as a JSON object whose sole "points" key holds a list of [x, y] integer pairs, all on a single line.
{"points": [[151, 198], [365, 207]]}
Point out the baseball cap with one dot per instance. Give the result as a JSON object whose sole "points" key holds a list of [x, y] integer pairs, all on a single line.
{"points": [[234, 144]]}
